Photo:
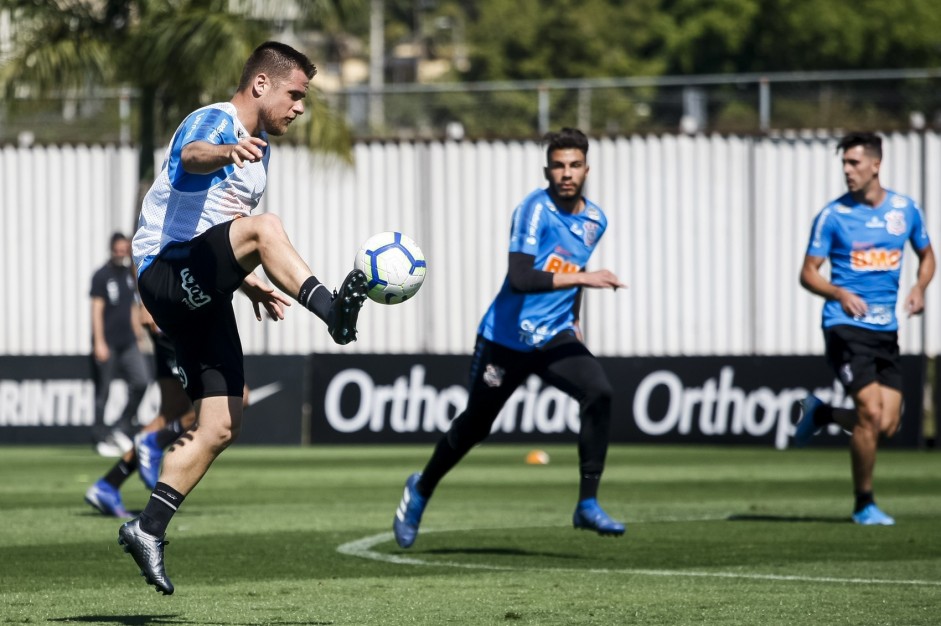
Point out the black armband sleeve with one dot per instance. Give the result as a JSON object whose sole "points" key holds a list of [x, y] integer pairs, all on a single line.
{"points": [[524, 277]]}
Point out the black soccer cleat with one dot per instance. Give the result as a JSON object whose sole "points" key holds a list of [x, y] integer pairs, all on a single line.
{"points": [[147, 551], [341, 318]]}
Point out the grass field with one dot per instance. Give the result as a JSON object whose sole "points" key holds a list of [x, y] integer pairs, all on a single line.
{"points": [[301, 536]]}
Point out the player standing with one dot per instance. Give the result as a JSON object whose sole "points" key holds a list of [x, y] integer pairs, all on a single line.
{"points": [[863, 233], [532, 328]]}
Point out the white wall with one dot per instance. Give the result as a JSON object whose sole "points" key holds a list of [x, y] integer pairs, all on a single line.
{"points": [[708, 231]]}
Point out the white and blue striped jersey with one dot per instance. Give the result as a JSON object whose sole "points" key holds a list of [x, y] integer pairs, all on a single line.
{"points": [[865, 246], [180, 205], [560, 242]]}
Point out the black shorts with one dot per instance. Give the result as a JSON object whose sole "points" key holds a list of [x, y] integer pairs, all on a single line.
{"points": [[164, 355], [188, 290], [860, 356]]}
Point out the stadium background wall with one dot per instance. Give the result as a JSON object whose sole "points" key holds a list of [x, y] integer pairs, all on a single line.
{"points": [[362, 398], [708, 231]]}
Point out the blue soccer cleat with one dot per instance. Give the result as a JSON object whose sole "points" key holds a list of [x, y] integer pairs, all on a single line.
{"points": [[149, 456], [590, 516], [408, 515], [806, 429], [871, 515], [106, 499]]}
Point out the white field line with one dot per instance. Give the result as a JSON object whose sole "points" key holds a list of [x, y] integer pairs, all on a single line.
{"points": [[363, 548]]}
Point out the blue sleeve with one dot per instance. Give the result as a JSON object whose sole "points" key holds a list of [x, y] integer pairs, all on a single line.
{"points": [[820, 235], [527, 227], [211, 125], [919, 234]]}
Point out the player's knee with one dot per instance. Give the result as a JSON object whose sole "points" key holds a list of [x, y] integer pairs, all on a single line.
{"points": [[889, 425], [269, 226], [870, 414], [598, 397], [224, 437], [220, 436], [466, 433]]}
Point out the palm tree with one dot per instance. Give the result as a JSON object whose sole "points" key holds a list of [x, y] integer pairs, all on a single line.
{"points": [[179, 54]]}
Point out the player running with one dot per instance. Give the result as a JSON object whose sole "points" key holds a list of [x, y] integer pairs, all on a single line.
{"points": [[532, 328], [863, 233]]}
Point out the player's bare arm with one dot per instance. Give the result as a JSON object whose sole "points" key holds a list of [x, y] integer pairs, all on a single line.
{"points": [[915, 302], [100, 346], [262, 294], [202, 157], [599, 279], [813, 281]]}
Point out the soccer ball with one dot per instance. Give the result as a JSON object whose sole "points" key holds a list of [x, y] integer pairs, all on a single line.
{"points": [[394, 266]]}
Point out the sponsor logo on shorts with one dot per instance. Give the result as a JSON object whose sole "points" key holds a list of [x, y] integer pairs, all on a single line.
{"points": [[846, 374], [195, 297]]}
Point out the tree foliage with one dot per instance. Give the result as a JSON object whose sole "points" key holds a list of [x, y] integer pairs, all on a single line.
{"points": [[178, 54]]}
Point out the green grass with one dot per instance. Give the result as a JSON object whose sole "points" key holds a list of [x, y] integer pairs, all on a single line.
{"points": [[715, 536]]}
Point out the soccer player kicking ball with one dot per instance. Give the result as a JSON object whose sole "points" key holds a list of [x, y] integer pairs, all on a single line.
{"points": [[532, 328], [196, 244], [863, 233]]}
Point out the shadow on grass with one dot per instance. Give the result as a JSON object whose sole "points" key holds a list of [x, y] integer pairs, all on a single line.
{"points": [[124, 620], [500, 552], [156, 620], [789, 518]]}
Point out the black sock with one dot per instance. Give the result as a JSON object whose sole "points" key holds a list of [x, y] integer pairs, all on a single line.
{"points": [[119, 473], [823, 415], [588, 486], [315, 297], [863, 499], [170, 433], [163, 503]]}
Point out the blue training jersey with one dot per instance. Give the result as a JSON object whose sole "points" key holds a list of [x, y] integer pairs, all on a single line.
{"points": [[865, 246], [560, 242], [180, 205]]}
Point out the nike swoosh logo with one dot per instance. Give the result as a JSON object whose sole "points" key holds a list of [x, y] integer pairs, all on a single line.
{"points": [[257, 395]]}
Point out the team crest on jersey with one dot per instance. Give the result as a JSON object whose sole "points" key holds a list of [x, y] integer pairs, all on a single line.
{"points": [[493, 375], [895, 222], [590, 234]]}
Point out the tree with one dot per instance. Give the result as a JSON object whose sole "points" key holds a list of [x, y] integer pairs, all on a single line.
{"points": [[176, 53]]}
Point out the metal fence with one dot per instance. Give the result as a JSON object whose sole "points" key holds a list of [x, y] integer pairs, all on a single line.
{"points": [[708, 231], [889, 100]]}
